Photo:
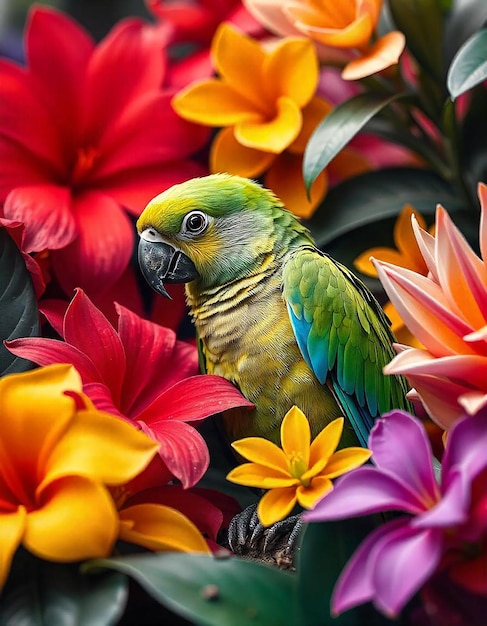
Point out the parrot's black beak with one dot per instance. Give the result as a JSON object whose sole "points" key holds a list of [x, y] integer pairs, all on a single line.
{"points": [[161, 263]]}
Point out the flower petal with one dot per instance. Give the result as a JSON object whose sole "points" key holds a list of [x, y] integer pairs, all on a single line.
{"points": [[275, 134], [253, 475], [452, 509], [101, 344], [462, 275], [34, 398], [228, 48], [324, 445], [346, 460], [276, 505], [228, 155], [405, 239], [405, 561], [137, 48], [49, 351], [318, 488], [159, 527], [195, 398], [355, 584], [356, 34], [291, 70], [13, 525], [99, 255], [392, 438], [76, 520], [87, 449], [482, 193], [263, 452], [45, 211], [285, 178], [466, 445], [296, 435], [182, 449], [384, 53], [214, 103], [363, 491], [425, 310]]}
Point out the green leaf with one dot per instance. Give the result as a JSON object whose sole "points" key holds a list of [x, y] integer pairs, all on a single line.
{"points": [[19, 314], [338, 128], [324, 551], [469, 66], [421, 21], [40, 593], [376, 196], [211, 591]]}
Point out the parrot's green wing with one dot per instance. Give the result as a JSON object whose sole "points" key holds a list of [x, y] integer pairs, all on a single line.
{"points": [[344, 336]]}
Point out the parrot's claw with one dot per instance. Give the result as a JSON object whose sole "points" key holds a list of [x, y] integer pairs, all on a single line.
{"points": [[241, 526], [245, 532], [291, 525]]}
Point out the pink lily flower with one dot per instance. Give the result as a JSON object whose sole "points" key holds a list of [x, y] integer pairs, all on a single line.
{"points": [[141, 373], [447, 312], [446, 524]]}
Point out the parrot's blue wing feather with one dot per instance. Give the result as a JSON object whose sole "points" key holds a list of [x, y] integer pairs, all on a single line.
{"points": [[343, 336]]}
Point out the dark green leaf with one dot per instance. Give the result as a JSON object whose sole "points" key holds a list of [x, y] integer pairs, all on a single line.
{"points": [[39, 593], [465, 18], [325, 549], [376, 196], [19, 315], [338, 128], [469, 66], [210, 591], [421, 21]]}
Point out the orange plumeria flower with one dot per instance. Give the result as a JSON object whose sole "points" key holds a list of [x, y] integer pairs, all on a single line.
{"points": [[299, 472], [267, 110], [341, 29]]}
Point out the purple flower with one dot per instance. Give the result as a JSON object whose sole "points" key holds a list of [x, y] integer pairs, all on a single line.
{"points": [[395, 561]]}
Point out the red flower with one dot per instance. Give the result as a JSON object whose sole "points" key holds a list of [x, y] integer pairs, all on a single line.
{"points": [[87, 131], [139, 372]]}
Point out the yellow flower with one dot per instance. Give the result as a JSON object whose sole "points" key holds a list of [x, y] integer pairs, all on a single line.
{"points": [[406, 254], [300, 472], [264, 101], [59, 460]]}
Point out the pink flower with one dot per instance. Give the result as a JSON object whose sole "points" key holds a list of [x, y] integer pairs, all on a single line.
{"points": [[445, 525], [141, 373], [86, 134], [447, 312]]}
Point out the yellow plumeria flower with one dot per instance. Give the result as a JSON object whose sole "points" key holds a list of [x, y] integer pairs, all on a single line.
{"points": [[264, 102], [60, 459], [299, 472]]}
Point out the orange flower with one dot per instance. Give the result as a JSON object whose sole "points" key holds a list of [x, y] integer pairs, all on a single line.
{"points": [[406, 254], [60, 459], [267, 109], [347, 26]]}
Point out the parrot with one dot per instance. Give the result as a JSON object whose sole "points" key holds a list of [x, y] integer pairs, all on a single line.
{"points": [[274, 315]]}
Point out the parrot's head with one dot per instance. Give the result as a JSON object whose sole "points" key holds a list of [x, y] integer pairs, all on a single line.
{"points": [[213, 229]]}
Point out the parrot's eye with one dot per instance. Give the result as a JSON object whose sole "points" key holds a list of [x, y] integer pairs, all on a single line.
{"points": [[195, 223]]}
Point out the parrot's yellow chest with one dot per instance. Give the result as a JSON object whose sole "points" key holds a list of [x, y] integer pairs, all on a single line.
{"points": [[247, 338]]}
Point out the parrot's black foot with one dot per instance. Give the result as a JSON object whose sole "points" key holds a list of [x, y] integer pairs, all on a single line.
{"points": [[246, 535]]}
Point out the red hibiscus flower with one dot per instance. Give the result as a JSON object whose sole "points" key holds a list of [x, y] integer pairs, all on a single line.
{"points": [[87, 133], [139, 372]]}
